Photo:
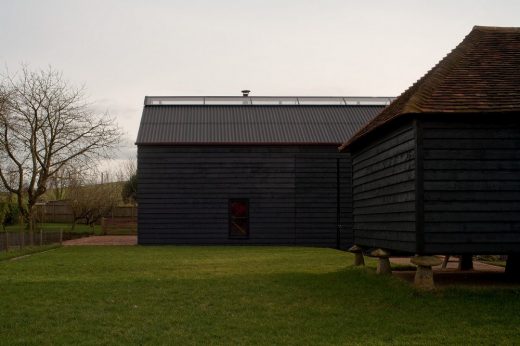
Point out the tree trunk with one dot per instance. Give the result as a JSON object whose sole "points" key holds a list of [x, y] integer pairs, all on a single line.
{"points": [[21, 237], [31, 228]]}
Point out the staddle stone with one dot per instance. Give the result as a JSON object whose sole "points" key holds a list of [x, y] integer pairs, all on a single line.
{"points": [[380, 253], [424, 274], [424, 278], [355, 249], [359, 260], [383, 266]]}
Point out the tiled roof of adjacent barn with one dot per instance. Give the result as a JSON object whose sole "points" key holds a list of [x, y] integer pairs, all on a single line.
{"points": [[254, 120], [482, 74]]}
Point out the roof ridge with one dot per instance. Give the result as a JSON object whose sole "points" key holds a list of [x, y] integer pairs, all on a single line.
{"points": [[437, 75], [496, 28], [481, 74]]}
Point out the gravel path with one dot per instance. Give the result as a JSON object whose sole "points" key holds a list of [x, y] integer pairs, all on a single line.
{"points": [[103, 240]]}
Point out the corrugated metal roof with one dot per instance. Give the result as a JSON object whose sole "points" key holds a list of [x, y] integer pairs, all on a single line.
{"points": [[237, 124]]}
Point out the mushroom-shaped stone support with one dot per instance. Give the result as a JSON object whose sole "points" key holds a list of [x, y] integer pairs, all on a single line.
{"points": [[359, 260], [424, 273], [383, 265]]}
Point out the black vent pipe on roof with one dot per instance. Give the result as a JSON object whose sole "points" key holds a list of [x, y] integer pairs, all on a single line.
{"points": [[245, 93]]}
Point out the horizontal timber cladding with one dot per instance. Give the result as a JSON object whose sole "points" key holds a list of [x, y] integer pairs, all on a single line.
{"points": [[184, 191], [472, 186], [383, 185], [316, 200]]}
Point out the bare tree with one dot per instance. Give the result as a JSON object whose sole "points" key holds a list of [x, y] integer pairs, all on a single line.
{"points": [[59, 182], [129, 191], [90, 200], [126, 169], [127, 174], [46, 124]]}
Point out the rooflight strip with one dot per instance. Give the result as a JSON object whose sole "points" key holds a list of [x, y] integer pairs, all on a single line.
{"points": [[267, 100]]}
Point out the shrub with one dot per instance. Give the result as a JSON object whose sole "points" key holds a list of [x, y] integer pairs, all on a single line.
{"points": [[9, 213]]}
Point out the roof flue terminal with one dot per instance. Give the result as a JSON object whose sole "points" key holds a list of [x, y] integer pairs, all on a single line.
{"points": [[245, 92]]}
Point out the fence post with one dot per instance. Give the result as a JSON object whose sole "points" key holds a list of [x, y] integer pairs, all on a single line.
{"points": [[41, 236], [61, 236], [21, 235], [6, 241], [103, 230]]}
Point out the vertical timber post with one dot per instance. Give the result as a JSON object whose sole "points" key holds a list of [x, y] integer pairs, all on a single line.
{"points": [[339, 226], [466, 262], [103, 226], [513, 266], [419, 187]]}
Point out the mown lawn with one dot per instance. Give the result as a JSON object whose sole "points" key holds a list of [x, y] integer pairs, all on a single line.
{"points": [[27, 250], [235, 295]]}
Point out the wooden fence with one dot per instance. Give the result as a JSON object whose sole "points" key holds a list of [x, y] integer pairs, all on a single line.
{"points": [[119, 226], [61, 212], [12, 240]]}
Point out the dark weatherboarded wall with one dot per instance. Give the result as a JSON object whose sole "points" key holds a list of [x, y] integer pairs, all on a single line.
{"points": [[292, 191], [384, 191], [440, 185], [472, 186]]}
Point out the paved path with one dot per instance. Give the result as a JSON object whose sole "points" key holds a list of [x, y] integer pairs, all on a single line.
{"points": [[103, 240], [453, 264], [483, 275]]}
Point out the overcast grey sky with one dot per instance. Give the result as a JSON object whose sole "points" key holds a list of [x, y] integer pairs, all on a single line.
{"points": [[124, 50]]}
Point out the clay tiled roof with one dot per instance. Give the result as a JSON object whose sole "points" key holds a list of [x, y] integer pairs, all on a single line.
{"points": [[482, 74]]}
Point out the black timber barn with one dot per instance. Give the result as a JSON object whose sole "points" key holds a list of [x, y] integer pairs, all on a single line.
{"points": [[247, 170], [438, 171]]}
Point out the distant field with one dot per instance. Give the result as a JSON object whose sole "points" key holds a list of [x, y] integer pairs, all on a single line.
{"points": [[236, 295]]}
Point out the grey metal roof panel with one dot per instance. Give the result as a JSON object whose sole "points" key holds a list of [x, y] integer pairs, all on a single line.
{"points": [[192, 124]]}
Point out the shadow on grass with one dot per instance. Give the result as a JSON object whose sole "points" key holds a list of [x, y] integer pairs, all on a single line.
{"points": [[236, 296], [351, 305]]}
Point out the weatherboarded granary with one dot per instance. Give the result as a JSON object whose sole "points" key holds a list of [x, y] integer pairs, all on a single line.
{"points": [[438, 171], [247, 170]]}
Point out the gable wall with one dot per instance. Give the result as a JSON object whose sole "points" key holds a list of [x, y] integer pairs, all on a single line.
{"points": [[471, 186], [184, 190]]}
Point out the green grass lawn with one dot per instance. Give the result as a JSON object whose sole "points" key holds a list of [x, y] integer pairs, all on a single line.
{"points": [[27, 250], [235, 295]]}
